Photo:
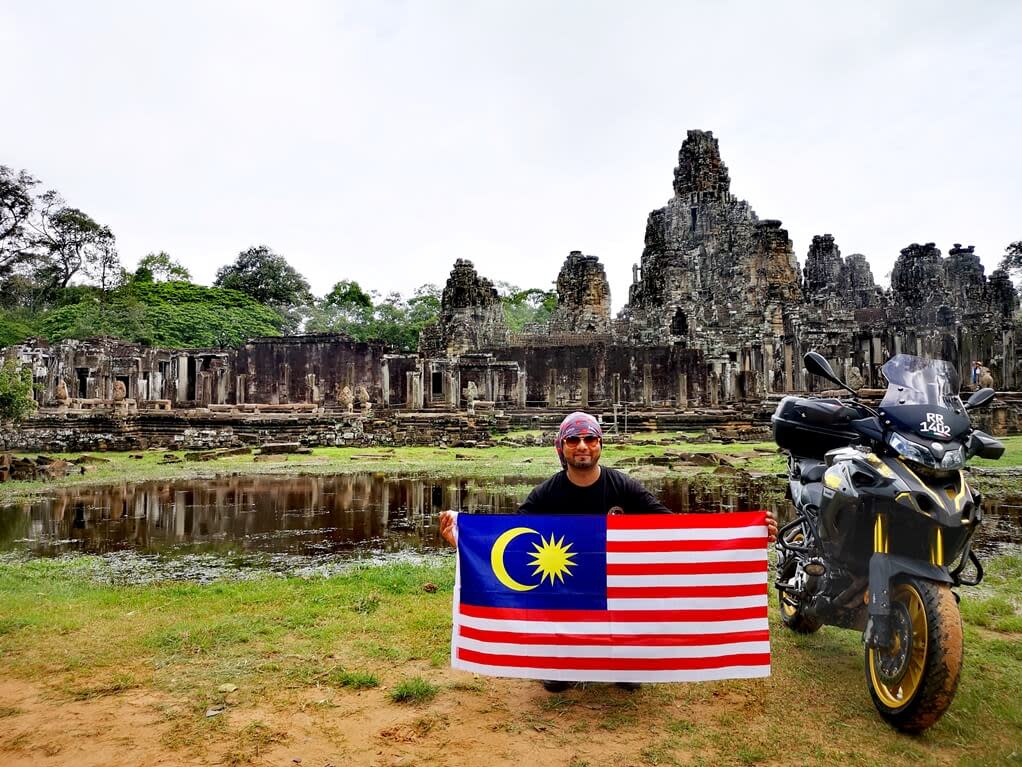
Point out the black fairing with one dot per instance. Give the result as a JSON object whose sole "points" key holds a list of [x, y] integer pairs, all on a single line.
{"points": [[930, 422]]}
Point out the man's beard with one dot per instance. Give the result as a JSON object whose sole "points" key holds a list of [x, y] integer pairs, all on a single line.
{"points": [[582, 461]]}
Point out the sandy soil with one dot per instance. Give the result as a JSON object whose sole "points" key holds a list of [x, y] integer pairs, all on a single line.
{"points": [[505, 722]]}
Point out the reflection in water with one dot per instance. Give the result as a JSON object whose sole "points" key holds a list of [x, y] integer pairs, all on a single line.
{"points": [[328, 515], [299, 515]]}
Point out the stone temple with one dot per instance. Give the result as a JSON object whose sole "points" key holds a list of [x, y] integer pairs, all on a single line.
{"points": [[718, 314]]}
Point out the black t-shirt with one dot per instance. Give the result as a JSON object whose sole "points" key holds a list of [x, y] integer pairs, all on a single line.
{"points": [[614, 490]]}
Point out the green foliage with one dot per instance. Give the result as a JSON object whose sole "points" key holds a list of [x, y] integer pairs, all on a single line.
{"points": [[1012, 260], [72, 241], [266, 276], [394, 320], [15, 391], [414, 690], [356, 680], [348, 294], [16, 325], [160, 267], [526, 307], [172, 314], [16, 207]]}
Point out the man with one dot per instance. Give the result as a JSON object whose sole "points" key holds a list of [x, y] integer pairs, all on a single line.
{"points": [[584, 487]]}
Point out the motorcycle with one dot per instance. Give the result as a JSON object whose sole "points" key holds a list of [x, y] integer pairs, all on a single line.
{"points": [[883, 527]]}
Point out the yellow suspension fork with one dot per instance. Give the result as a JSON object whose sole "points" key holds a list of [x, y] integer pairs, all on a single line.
{"points": [[937, 547], [881, 540], [878, 632]]}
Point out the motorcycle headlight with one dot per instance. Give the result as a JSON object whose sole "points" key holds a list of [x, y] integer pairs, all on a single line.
{"points": [[939, 456]]}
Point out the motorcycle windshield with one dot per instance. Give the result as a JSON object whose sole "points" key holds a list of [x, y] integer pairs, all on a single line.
{"points": [[918, 381]]}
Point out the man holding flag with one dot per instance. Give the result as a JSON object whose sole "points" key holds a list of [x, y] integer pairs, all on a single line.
{"points": [[595, 613]]}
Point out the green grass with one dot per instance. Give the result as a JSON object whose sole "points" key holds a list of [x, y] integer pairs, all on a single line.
{"points": [[414, 690], [82, 639], [356, 680], [63, 627]]}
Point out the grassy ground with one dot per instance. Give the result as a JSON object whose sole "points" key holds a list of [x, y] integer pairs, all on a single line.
{"points": [[357, 664], [378, 637]]}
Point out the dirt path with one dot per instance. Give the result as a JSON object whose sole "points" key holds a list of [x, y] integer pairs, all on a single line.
{"points": [[472, 722], [506, 722]]}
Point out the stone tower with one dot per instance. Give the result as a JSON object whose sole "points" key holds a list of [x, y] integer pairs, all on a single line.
{"points": [[919, 277], [583, 296], [712, 275], [471, 315]]}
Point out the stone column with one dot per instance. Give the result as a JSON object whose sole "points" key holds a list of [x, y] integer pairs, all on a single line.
{"points": [[450, 390], [182, 379], [412, 389], [616, 388], [522, 389], [647, 385], [682, 391], [788, 378], [385, 382], [551, 388], [1008, 364], [583, 382]]}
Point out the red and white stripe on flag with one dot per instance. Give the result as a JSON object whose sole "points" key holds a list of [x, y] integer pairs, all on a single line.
{"points": [[686, 602]]}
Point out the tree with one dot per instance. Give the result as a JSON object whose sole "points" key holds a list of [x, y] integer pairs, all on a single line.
{"points": [[71, 240], [526, 307], [266, 276], [16, 207], [393, 320], [15, 391], [345, 309], [1012, 260], [160, 267]]}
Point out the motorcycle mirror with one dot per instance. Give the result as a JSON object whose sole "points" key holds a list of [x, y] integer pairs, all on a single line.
{"points": [[983, 445], [817, 364], [980, 398]]}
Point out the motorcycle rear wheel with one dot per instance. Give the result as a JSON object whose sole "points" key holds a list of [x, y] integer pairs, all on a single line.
{"points": [[792, 612], [913, 682]]}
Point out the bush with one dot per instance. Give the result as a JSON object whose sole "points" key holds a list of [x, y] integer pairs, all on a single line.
{"points": [[15, 391]]}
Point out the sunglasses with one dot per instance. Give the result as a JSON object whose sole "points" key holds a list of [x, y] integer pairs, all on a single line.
{"points": [[589, 439]]}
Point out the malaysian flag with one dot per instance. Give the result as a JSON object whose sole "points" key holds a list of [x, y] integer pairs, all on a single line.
{"points": [[621, 598]]}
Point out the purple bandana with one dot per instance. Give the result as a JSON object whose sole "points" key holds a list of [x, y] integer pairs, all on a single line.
{"points": [[576, 424]]}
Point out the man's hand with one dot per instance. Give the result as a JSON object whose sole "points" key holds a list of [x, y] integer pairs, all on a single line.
{"points": [[449, 527], [771, 523]]}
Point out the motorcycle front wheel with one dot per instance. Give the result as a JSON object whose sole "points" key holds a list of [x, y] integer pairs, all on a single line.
{"points": [[913, 681]]}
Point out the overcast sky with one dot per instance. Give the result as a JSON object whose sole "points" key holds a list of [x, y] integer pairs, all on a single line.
{"points": [[380, 141]]}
